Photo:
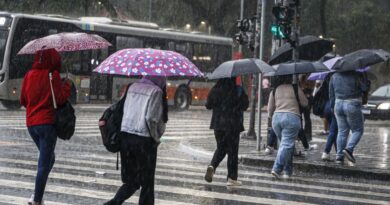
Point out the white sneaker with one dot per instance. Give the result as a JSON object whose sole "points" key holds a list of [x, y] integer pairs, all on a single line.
{"points": [[269, 150], [286, 176], [275, 174], [31, 200], [325, 156], [232, 182]]}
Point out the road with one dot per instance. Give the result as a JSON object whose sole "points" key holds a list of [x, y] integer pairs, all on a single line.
{"points": [[84, 172]]}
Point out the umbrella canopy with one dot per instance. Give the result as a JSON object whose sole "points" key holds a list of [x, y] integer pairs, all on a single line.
{"points": [[360, 59], [300, 67], [310, 48], [65, 42], [240, 67], [146, 61]]}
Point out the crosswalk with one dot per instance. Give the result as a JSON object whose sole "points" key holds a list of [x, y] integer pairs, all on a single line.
{"points": [[84, 173]]}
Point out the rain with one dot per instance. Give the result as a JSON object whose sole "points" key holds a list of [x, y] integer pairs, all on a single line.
{"points": [[184, 102]]}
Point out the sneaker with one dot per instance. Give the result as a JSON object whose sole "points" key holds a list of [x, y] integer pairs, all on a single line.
{"points": [[209, 174], [339, 161], [324, 132], [325, 156], [286, 176], [269, 150], [349, 155], [31, 200], [232, 182], [275, 174]]}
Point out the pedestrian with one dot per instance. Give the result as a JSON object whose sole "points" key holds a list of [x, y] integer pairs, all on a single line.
{"points": [[228, 102], [346, 92], [36, 97], [308, 88], [145, 114], [326, 123], [331, 118], [284, 108]]}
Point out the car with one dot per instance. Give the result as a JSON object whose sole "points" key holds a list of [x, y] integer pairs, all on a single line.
{"points": [[378, 105]]}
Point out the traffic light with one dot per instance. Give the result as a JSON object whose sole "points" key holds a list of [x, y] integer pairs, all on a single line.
{"points": [[281, 29], [246, 35]]}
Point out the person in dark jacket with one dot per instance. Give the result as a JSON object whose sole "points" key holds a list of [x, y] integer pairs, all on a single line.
{"points": [[37, 98], [228, 103]]}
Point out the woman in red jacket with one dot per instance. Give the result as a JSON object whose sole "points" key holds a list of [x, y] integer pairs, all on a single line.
{"points": [[36, 97]]}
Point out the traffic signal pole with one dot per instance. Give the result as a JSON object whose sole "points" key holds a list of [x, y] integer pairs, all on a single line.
{"points": [[255, 79]]}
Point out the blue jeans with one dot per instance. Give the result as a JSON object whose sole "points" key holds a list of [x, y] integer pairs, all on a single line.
{"points": [[45, 138], [286, 127], [332, 136], [349, 117]]}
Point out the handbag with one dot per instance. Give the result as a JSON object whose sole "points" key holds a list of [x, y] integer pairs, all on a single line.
{"points": [[65, 119]]}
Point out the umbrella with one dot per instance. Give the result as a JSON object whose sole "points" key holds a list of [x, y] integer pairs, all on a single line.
{"points": [[146, 61], [240, 67], [299, 67], [329, 64], [65, 42], [310, 48], [360, 59]]}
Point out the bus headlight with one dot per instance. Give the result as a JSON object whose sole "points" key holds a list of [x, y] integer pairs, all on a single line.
{"points": [[384, 106]]}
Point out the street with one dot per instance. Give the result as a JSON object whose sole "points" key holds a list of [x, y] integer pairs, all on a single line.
{"points": [[85, 173]]}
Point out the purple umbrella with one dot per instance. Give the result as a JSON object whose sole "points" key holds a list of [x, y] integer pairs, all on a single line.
{"points": [[146, 61], [329, 64]]}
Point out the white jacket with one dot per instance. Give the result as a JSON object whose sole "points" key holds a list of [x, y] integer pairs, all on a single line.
{"points": [[143, 109]]}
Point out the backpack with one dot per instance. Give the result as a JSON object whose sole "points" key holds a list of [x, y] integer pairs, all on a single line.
{"points": [[320, 99], [364, 84], [111, 130]]}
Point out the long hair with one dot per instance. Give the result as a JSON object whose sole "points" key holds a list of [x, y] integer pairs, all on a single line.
{"points": [[165, 105]]}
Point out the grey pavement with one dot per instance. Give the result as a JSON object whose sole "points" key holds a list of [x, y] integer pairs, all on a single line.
{"points": [[372, 153], [84, 172]]}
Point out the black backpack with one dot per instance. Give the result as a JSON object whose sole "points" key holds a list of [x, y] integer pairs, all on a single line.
{"points": [[111, 130], [320, 99]]}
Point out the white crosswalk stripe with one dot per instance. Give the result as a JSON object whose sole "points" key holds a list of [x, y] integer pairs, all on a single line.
{"points": [[85, 174]]}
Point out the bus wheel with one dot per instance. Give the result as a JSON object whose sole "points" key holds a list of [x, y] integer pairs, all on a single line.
{"points": [[183, 98], [11, 105]]}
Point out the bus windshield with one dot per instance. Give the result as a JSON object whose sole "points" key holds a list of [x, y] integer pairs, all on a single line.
{"points": [[3, 41]]}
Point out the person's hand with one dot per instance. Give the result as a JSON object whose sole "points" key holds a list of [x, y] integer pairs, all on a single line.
{"points": [[102, 123]]}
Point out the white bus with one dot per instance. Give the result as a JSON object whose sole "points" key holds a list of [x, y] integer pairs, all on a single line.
{"points": [[206, 51]]}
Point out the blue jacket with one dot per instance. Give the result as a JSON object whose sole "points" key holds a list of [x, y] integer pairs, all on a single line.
{"points": [[345, 85]]}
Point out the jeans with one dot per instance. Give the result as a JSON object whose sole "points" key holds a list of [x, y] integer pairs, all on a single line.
{"points": [[286, 127], [227, 143], [349, 117], [138, 160], [332, 136], [45, 138]]}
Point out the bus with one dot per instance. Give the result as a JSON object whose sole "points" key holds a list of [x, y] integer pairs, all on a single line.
{"points": [[17, 29]]}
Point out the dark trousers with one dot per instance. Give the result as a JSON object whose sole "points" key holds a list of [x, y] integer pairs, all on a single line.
{"points": [[45, 139], [307, 120], [138, 161], [272, 139], [227, 143]]}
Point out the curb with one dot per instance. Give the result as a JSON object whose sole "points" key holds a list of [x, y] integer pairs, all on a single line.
{"points": [[321, 168]]}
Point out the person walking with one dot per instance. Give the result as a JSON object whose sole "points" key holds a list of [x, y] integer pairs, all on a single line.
{"points": [[307, 87], [145, 113], [36, 97], [228, 102], [346, 92], [284, 108]]}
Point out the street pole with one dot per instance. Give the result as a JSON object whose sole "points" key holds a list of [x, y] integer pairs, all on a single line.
{"points": [[251, 130], [241, 17], [261, 56], [296, 32], [150, 10]]}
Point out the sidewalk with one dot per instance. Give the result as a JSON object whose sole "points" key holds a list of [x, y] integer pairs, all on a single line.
{"points": [[372, 155]]}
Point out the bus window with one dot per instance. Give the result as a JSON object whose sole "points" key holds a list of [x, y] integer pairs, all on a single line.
{"points": [[128, 42], [203, 57], [155, 43], [184, 49], [3, 41]]}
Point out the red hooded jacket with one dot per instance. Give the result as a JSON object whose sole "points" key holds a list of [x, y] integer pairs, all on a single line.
{"points": [[36, 93]]}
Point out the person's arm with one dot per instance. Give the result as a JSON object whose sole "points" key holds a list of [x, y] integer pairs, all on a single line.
{"points": [[153, 116], [211, 99], [331, 94], [302, 98], [271, 103], [244, 101], [61, 90], [23, 100]]}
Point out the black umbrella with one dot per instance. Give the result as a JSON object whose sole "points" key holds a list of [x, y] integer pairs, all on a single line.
{"points": [[360, 59], [300, 67], [310, 48], [240, 67]]}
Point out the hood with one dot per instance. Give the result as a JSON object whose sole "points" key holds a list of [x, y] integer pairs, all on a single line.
{"points": [[48, 59], [160, 81]]}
